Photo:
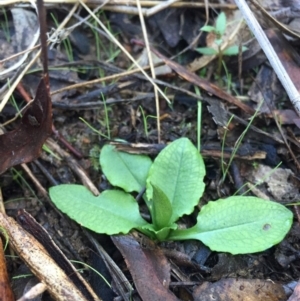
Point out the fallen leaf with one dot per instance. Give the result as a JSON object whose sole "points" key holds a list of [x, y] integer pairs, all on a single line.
{"points": [[240, 289], [24, 144], [277, 182], [286, 116], [149, 268]]}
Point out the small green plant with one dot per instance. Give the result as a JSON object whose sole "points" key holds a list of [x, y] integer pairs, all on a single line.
{"points": [[219, 30], [174, 184], [145, 120], [104, 51], [94, 157]]}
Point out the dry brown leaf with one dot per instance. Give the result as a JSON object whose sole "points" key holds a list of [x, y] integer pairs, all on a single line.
{"points": [[240, 289], [276, 183], [149, 268], [24, 144], [288, 56]]}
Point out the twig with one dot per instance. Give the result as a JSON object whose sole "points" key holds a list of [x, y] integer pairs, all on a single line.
{"points": [[35, 181], [41, 264], [147, 3], [271, 54], [151, 66], [155, 9], [34, 292]]}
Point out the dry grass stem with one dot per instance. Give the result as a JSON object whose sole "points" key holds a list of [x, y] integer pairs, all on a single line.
{"points": [[96, 81], [127, 3], [157, 8], [151, 67]]}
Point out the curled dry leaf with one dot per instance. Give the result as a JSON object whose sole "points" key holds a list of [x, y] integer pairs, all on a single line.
{"points": [[24, 144]]}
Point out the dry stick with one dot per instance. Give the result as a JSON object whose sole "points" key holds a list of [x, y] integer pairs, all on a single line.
{"points": [[96, 81], [151, 67], [15, 83], [34, 292], [13, 56], [39, 261], [129, 10], [124, 50], [2, 208], [155, 9], [35, 181], [127, 3], [44, 46], [271, 54]]}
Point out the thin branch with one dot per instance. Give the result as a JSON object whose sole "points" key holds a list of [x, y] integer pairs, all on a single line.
{"points": [[271, 54]]}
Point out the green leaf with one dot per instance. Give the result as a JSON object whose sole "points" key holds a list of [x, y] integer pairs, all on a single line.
{"points": [[239, 225], [233, 50], [207, 28], [160, 234], [207, 50], [221, 23], [124, 170], [218, 42], [160, 208], [178, 171], [111, 212]]}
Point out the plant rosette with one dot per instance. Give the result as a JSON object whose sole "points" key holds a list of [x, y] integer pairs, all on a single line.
{"points": [[174, 185]]}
